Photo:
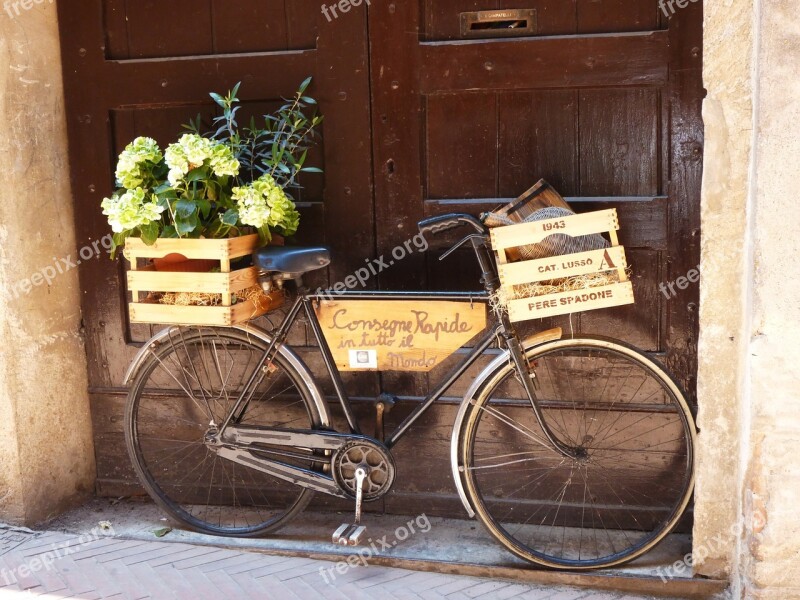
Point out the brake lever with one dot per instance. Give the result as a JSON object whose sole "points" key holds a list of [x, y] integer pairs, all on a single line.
{"points": [[468, 238]]}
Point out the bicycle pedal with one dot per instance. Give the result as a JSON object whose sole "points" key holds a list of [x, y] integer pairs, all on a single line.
{"points": [[349, 534]]}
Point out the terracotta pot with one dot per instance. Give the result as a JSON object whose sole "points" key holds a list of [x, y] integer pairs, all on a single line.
{"points": [[178, 263]]}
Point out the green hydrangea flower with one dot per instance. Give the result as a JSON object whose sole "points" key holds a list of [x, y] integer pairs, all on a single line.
{"points": [[131, 209], [193, 151], [265, 204], [135, 161], [223, 162]]}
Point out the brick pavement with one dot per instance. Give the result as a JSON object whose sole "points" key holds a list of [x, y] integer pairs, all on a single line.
{"points": [[91, 567]]}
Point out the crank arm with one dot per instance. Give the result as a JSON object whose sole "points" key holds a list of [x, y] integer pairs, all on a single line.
{"points": [[296, 475], [291, 438]]}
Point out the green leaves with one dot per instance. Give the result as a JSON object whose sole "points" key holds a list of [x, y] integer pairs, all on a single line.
{"points": [[186, 218], [190, 193], [185, 208], [279, 145], [149, 233], [186, 225], [231, 217], [196, 175]]}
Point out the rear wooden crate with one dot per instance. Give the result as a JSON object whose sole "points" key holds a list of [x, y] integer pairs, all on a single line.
{"points": [[512, 274]]}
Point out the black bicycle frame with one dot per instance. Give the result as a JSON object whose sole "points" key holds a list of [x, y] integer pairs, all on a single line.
{"points": [[500, 328], [305, 302]]}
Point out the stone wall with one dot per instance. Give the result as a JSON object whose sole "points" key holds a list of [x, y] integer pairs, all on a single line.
{"points": [[46, 452], [749, 381], [725, 276], [771, 549]]}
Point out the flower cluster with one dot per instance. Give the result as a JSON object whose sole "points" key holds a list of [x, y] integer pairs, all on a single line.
{"points": [[136, 161], [193, 151], [264, 204], [131, 209]]}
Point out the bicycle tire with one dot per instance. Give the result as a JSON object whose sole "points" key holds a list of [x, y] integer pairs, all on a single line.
{"points": [[210, 370], [622, 497]]}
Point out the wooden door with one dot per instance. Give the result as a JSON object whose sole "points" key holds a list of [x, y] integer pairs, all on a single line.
{"points": [[145, 68], [600, 97]]}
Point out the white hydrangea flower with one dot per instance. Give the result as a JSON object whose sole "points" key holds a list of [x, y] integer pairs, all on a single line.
{"points": [[131, 209], [178, 163], [193, 151], [133, 161], [196, 148]]}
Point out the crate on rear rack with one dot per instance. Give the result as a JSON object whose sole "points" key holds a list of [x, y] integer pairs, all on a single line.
{"points": [[143, 278], [519, 278]]}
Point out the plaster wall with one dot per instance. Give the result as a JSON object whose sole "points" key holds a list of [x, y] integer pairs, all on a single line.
{"points": [[46, 450]]}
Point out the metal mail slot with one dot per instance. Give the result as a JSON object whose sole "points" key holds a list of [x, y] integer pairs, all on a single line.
{"points": [[498, 23]]}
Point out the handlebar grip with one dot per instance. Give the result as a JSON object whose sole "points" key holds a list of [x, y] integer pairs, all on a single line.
{"points": [[443, 223]]}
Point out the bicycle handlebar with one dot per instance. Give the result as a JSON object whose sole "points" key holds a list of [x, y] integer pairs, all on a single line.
{"points": [[443, 223]]}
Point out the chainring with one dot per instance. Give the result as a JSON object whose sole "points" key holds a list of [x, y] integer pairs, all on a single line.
{"points": [[374, 459]]}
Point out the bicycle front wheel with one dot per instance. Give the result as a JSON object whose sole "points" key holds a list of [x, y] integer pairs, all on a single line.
{"points": [[187, 386], [631, 481]]}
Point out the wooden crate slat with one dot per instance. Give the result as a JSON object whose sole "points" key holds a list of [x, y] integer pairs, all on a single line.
{"points": [[191, 248], [550, 305], [206, 283], [524, 234], [558, 267], [623, 275], [242, 246], [244, 311], [148, 312]]}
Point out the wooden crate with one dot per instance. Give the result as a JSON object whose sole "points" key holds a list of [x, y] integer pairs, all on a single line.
{"points": [[505, 239], [144, 279]]}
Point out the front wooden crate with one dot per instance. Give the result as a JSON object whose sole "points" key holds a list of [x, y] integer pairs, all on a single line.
{"points": [[144, 279], [527, 272]]}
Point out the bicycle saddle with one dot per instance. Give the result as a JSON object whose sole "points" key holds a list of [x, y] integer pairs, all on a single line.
{"points": [[281, 259]]}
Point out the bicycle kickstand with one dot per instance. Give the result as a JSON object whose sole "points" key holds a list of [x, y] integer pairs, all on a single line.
{"points": [[351, 534]]}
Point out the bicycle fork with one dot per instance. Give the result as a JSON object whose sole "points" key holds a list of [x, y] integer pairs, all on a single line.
{"points": [[517, 353]]}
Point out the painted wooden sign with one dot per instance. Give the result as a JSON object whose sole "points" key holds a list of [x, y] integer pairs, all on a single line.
{"points": [[550, 305], [395, 335]]}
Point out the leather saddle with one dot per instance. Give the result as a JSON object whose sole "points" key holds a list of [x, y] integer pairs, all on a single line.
{"points": [[291, 261]]}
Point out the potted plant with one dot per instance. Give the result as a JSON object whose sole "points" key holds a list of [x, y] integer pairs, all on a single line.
{"points": [[204, 191]]}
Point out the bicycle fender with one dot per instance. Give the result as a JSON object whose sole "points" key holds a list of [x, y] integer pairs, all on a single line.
{"points": [[487, 377], [285, 351]]}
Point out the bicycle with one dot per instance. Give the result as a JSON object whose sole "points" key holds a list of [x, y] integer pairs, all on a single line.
{"points": [[575, 453]]}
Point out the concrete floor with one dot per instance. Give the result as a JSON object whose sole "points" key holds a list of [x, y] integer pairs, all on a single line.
{"points": [[449, 546]]}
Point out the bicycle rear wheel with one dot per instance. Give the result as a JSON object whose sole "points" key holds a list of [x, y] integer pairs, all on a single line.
{"points": [[187, 386], [632, 481]]}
